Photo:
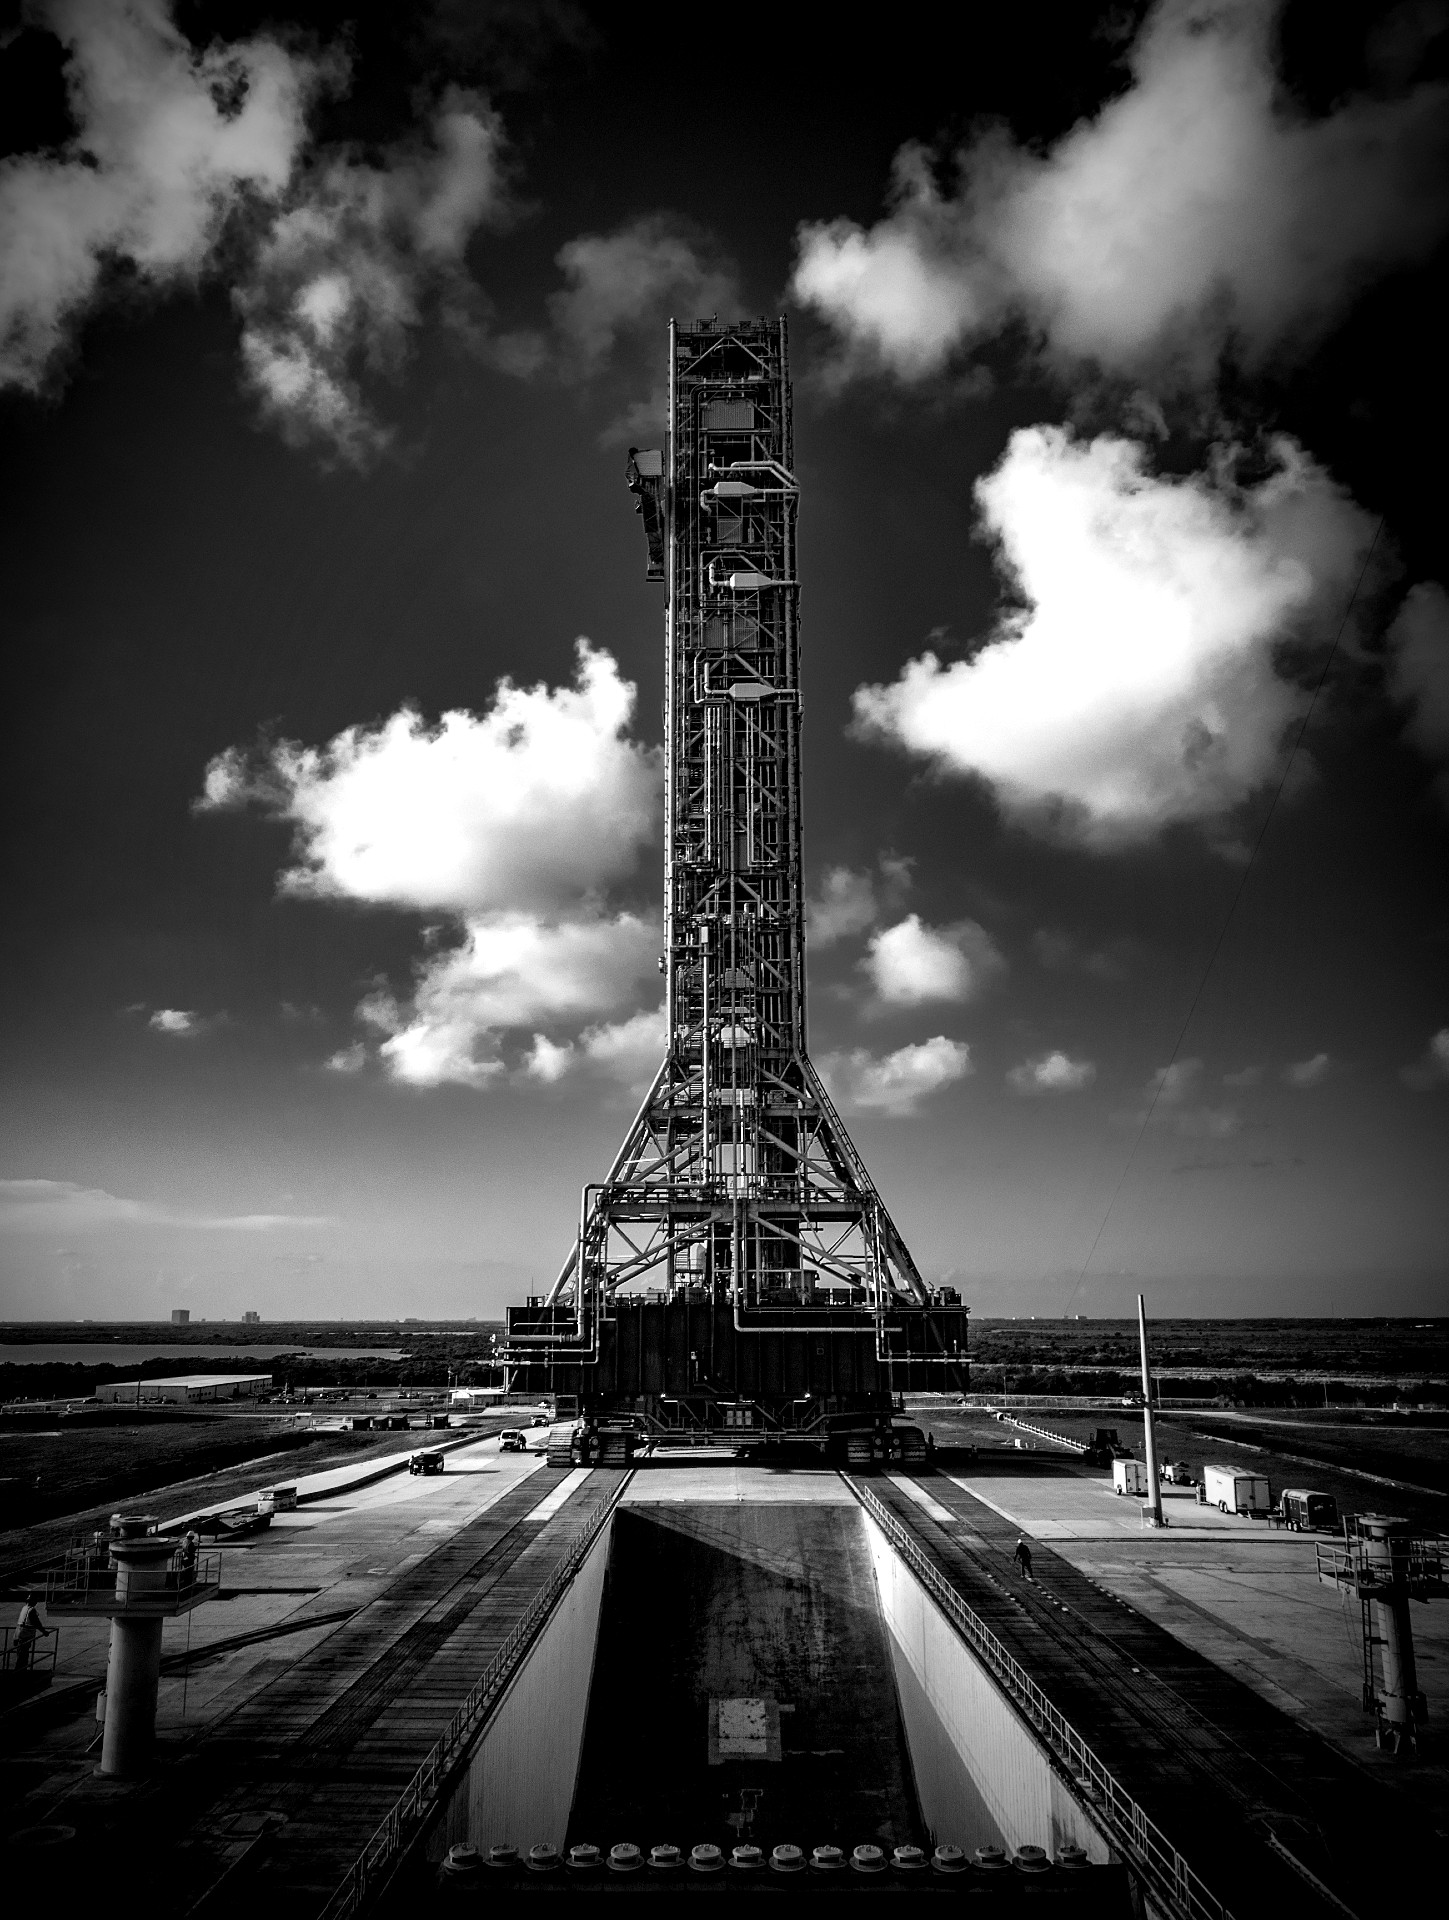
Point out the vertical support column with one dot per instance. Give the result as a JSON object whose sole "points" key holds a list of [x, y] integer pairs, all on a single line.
{"points": [[1148, 1436], [133, 1674], [1386, 1541]]}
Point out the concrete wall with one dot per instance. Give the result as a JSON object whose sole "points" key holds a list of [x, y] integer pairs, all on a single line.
{"points": [[981, 1776], [520, 1780]]}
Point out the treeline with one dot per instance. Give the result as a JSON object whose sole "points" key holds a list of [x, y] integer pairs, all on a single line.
{"points": [[1243, 1390]]}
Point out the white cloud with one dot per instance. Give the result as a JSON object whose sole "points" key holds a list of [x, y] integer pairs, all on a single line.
{"points": [[1168, 1100], [1053, 1073], [1418, 675], [168, 142], [332, 260], [1170, 1086], [621, 283], [1431, 1069], [894, 1083], [510, 971], [347, 1059], [1199, 211], [514, 823], [63, 1206], [629, 1051], [849, 902], [911, 963], [175, 1020], [547, 1061], [339, 280], [540, 800], [1244, 1077], [1304, 1074], [1135, 685]]}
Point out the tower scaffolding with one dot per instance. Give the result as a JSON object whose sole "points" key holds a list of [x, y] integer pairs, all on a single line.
{"points": [[737, 1206]]}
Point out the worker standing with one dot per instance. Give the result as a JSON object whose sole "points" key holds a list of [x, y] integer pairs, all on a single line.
{"points": [[30, 1625], [1022, 1556]]}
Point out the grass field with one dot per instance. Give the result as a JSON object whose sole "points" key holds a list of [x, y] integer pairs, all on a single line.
{"points": [[62, 1470]]}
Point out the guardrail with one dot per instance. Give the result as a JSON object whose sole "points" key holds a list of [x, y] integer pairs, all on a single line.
{"points": [[381, 1852], [1171, 1879], [87, 1583], [35, 1656]]}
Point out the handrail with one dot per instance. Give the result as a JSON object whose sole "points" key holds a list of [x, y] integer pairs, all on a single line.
{"points": [[379, 1855], [1172, 1880]]}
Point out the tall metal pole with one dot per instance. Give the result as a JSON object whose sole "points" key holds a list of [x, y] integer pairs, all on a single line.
{"points": [[1149, 1437]]}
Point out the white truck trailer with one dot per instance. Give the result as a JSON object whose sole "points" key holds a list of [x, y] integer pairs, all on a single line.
{"points": [[1236, 1490], [1129, 1476]]}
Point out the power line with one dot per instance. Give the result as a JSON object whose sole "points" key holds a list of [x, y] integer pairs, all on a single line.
{"points": [[1228, 917]]}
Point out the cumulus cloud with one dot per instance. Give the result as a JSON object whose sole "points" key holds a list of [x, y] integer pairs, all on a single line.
{"points": [[513, 823], [539, 800], [850, 902], [1418, 677], [1304, 1074], [911, 963], [627, 1051], [1199, 212], [177, 1020], [1170, 1099], [168, 142], [894, 1083], [511, 971], [1136, 684], [350, 1059], [338, 281], [64, 1206], [1054, 1072], [331, 258], [1431, 1069], [616, 284]]}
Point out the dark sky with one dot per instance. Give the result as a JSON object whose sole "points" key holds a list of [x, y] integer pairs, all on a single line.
{"points": [[291, 444]]}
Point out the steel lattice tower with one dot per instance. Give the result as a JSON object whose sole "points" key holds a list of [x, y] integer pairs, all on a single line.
{"points": [[737, 1186]]}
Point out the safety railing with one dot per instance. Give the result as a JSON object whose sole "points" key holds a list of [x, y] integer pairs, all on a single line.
{"points": [[382, 1850], [1416, 1563], [33, 1655], [1172, 1880], [89, 1582]]}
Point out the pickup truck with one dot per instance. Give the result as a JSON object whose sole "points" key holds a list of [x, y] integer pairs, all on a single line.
{"points": [[428, 1461]]}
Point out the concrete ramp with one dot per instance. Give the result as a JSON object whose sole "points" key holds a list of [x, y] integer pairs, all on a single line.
{"points": [[743, 1684]]}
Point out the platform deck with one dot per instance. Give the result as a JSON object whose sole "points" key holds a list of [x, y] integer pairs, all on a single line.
{"points": [[1213, 1763]]}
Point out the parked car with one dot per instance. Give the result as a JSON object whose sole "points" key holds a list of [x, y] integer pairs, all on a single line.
{"points": [[511, 1440], [1307, 1512], [428, 1461]]}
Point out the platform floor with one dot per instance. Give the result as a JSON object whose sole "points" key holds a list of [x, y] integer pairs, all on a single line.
{"points": [[346, 1639], [1206, 1747]]}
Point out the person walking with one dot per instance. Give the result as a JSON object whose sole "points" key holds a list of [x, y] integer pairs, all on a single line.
{"points": [[29, 1626], [1022, 1556]]}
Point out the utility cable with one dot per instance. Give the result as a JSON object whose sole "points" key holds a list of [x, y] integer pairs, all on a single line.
{"points": [[1217, 948]]}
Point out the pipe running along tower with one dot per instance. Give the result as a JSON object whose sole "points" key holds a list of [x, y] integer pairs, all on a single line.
{"points": [[736, 1268]]}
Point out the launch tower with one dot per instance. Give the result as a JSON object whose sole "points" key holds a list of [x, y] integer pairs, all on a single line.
{"points": [[735, 1271]]}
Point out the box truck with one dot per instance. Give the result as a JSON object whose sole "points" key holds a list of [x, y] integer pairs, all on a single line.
{"points": [[1235, 1490], [1129, 1476]]}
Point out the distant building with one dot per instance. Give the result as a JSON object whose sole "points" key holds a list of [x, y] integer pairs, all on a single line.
{"points": [[475, 1399], [180, 1316], [251, 1319], [186, 1389]]}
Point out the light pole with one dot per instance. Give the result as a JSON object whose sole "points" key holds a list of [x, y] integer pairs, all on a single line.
{"points": [[1149, 1437]]}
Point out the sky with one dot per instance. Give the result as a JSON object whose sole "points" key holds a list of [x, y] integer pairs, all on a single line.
{"points": [[333, 755]]}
